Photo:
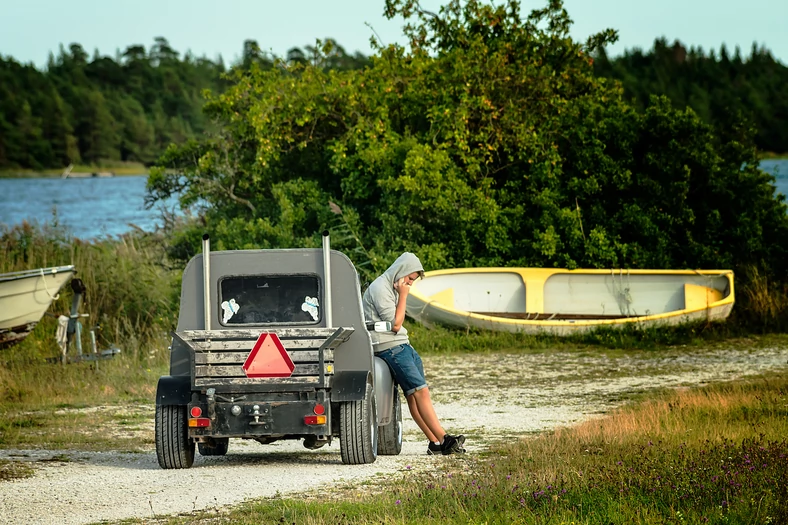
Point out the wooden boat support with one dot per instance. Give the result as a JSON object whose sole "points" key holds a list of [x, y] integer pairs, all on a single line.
{"points": [[562, 302], [218, 357]]}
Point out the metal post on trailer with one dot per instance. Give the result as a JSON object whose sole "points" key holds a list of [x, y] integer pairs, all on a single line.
{"points": [[206, 283], [326, 299], [327, 279]]}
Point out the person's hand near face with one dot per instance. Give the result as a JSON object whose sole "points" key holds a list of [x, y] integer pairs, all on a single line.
{"points": [[403, 285]]}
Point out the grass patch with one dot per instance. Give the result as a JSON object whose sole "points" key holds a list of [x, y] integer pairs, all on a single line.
{"points": [[121, 419], [710, 455], [11, 470], [79, 385], [440, 339], [86, 430], [131, 301], [98, 408]]}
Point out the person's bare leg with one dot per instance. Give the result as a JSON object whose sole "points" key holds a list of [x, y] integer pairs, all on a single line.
{"points": [[416, 415], [427, 413]]}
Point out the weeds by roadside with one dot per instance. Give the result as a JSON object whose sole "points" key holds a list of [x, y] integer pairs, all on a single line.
{"points": [[130, 301], [79, 406], [14, 470], [710, 455]]}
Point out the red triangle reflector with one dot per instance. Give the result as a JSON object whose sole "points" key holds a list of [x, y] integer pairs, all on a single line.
{"points": [[268, 358]]}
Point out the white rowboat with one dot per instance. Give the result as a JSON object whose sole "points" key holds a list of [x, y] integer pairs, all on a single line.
{"points": [[24, 298]]}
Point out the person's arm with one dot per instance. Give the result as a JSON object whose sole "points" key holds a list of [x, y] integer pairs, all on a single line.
{"points": [[399, 315]]}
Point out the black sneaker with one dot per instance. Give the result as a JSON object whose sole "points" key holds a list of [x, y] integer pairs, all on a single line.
{"points": [[433, 449], [452, 444]]}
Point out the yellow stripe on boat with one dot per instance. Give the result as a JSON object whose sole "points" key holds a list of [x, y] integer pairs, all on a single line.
{"points": [[564, 301]]}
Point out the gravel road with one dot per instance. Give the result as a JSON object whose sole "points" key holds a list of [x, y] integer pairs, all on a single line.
{"points": [[487, 397]]}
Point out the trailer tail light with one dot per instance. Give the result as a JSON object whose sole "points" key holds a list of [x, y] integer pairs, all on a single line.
{"points": [[199, 422], [319, 409], [315, 420], [196, 411]]}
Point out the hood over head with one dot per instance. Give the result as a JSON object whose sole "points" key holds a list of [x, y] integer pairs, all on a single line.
{"points": [[406, 264]]}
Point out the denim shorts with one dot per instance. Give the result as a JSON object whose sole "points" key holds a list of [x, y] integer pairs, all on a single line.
{"points": [[405, 364]]}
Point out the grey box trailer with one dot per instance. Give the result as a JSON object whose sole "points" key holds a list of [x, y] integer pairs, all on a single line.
{"points": [[273, 345]]}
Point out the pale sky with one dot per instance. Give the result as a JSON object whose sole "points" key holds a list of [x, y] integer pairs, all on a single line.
{"points": [[30, 29]]}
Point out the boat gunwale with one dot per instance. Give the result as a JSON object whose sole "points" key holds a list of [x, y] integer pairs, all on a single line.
{"points": [[710, 307], [39, 272], [593, 271]]}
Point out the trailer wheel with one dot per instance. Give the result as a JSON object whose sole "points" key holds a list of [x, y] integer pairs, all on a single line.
{"points": [[216, 447], [390, 438], [174, 449], [358, 430]]}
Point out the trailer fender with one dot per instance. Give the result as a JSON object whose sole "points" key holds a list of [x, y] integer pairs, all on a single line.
{"points": [[173, 390], [385, 390], [350, 385]]}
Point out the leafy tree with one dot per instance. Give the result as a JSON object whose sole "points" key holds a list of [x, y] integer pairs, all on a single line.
{"points": [[252, 54], [489, 140], [96, 127], [128, 108], [715, 86], [137, 134]]}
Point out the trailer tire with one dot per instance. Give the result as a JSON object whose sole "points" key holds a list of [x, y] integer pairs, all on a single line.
{"points": [[358, 430], [216, 447], [174, 449], [390, 436]]}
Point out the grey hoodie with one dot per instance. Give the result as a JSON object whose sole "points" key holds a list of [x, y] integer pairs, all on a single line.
{"points": [[380, 300]]}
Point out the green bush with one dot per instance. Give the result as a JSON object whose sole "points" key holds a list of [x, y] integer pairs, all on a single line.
{"points": [[487, 142]]}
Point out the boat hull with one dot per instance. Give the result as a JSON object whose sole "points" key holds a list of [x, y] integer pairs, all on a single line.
{"points": [[564, 302], [25, 297]]}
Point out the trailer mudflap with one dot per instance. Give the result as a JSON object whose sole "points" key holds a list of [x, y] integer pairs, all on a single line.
{"points": [[350, 385], [173, 390]]}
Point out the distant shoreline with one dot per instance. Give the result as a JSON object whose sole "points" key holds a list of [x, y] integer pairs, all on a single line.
{"points": [[77, 172], [140, 169], [773, 156]]}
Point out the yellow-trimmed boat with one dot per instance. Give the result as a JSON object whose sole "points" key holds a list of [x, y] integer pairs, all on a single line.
{"points": [[563, 302]]}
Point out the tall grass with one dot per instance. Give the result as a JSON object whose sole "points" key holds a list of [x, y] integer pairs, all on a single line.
{"points": [[131, 298], [131, 292], [765, 301]]}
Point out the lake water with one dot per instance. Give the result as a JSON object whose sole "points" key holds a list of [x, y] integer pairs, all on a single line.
{"points": [[778, 168], [89, 207], [95, 207]]}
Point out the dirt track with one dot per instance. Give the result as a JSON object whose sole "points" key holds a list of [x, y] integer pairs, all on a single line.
{"points": [[485, 396]]}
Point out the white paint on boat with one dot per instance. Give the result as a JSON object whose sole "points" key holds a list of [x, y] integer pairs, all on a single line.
{"points": [[563, 301], [25, 296]]}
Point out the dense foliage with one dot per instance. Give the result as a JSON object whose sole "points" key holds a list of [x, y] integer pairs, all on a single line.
{"points": [[132, 106], [719, 87], [106, 110], [489, 140]]}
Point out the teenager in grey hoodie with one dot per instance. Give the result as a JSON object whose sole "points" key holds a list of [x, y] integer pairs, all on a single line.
{"points": [[385, 300]]}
